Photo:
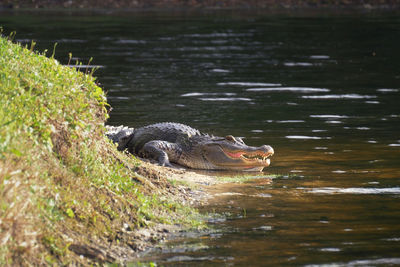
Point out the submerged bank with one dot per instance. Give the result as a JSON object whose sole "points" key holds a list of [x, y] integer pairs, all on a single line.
{"points": [[67, 195]]}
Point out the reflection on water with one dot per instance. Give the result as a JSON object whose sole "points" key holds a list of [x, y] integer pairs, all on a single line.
{"points": [[322, 90]]}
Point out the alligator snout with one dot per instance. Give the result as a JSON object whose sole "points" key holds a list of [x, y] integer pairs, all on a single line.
{"points": [[267, 150]]}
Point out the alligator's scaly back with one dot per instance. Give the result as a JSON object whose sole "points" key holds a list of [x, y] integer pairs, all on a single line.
{"points": [[178, 143], [164, 131]]}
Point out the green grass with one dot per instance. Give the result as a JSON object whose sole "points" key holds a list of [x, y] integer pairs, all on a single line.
{"points": [[62, 183]]}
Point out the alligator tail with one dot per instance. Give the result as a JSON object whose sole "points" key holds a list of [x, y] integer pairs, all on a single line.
{"points": [[119, 135]]}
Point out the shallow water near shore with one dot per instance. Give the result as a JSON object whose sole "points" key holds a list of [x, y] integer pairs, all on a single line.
{"points": [[323, 91]]}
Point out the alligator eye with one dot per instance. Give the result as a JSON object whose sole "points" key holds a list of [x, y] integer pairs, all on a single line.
{"points": [[230, 138], [240, 140]]}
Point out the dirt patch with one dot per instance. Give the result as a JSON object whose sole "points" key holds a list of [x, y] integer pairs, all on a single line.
{"points": [[188, 185], [179, 174]]}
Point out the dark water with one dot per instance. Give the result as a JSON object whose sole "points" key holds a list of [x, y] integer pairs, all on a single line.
{"points": [[323, 90]]}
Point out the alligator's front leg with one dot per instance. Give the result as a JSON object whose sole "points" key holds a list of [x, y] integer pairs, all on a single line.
{"points": [[163, 151]]}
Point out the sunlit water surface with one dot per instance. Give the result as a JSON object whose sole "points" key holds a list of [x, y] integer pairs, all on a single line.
{"points": [[324, 91]]}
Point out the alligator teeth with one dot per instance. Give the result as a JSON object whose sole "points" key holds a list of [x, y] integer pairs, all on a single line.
{"points": [[259, 157]]}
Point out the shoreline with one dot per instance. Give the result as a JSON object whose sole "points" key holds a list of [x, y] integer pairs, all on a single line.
{"points": [[125, 6], [190, 12]]}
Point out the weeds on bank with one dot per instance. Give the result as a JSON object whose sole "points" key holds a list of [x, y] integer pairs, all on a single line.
{"points": [[61, 182]]}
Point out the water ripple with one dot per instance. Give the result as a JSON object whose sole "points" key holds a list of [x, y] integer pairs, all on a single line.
{"points": [[189, 258], [262, 195], [220, 70], [291, 121], [126, 41], [394, 145], [354, 190], [330, 249], [225, 99], [306, 137], [217, 34], [298, 64], [289, 89], [229, 194], [65, 40], [343, 96], [249, 84], [330, 116], [393, 239], [387, 90], [373, 262], [263, 228], [320, 57], [204, 94]]}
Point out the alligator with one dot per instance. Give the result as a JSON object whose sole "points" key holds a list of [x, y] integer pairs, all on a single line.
{"points": [[183, 145]]}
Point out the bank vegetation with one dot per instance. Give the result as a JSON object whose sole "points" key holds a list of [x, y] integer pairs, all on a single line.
{"points": [[67, 196]]}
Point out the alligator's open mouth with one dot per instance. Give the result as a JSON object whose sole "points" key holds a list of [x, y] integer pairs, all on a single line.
{"points": [[259, 157], [243, 159]]}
